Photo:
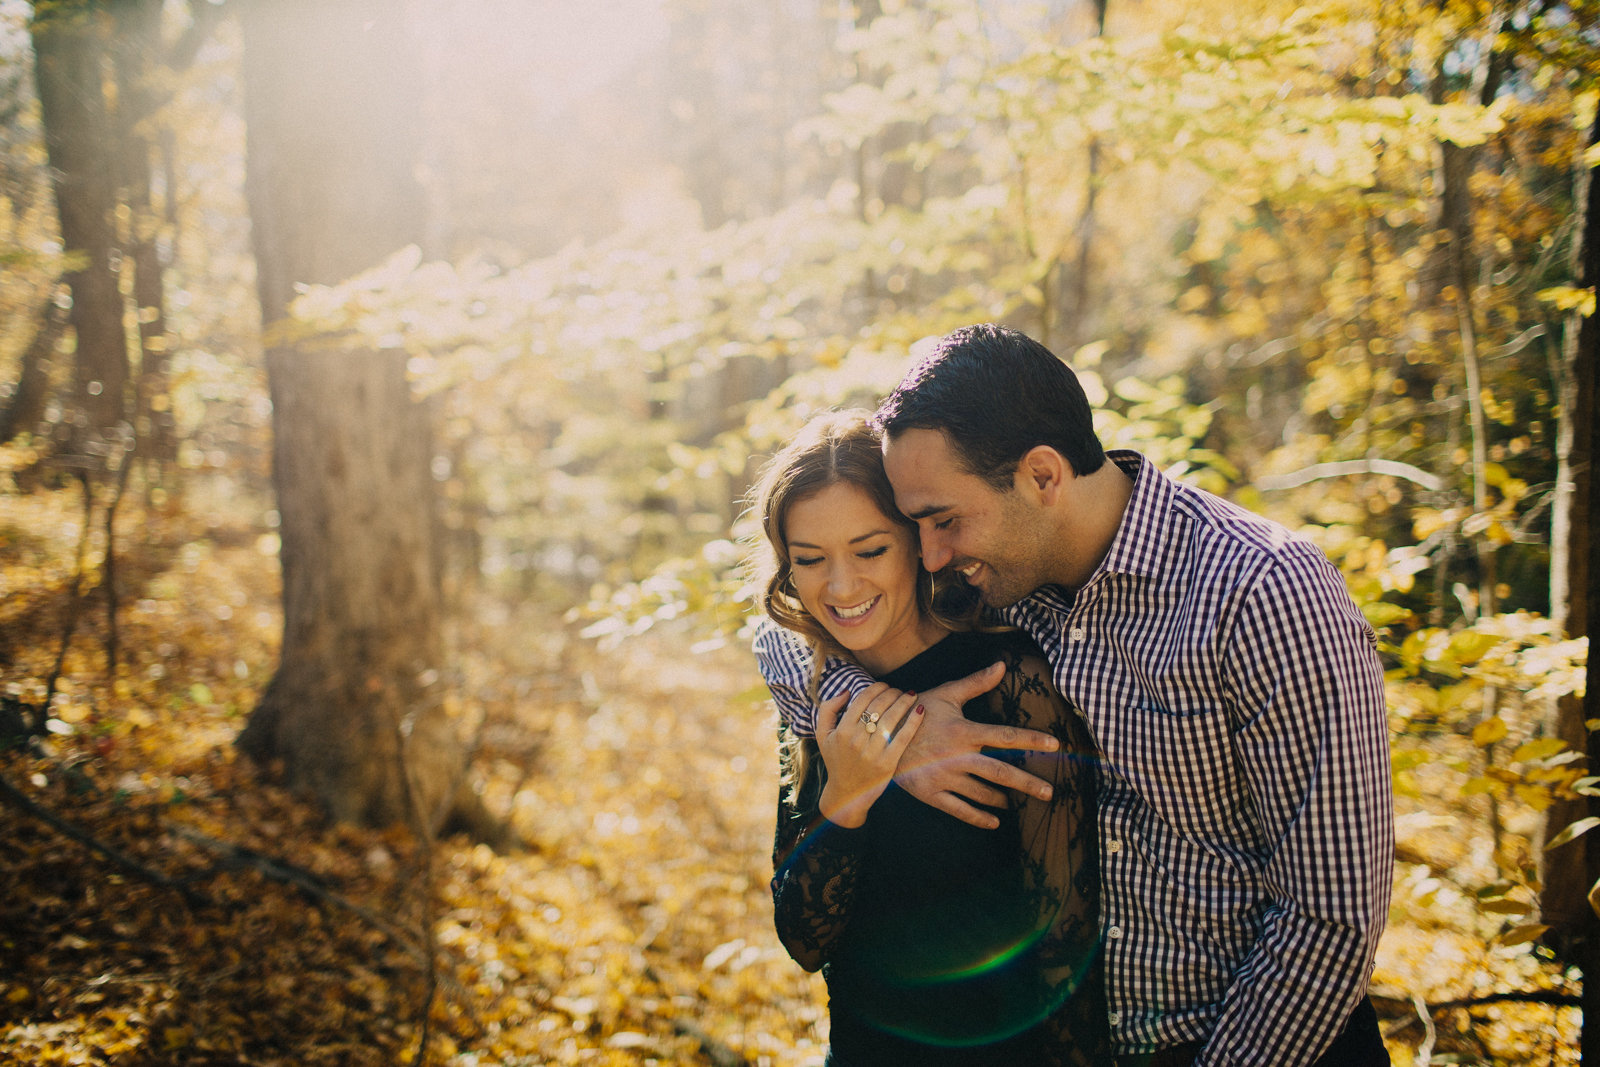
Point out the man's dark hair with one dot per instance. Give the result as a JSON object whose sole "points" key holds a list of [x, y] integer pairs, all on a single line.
{"points": [[995, 393]]}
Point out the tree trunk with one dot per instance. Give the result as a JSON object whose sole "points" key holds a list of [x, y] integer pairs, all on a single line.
{"points": [[138, 55], [69, 39], [29, 395], [333, 108]]}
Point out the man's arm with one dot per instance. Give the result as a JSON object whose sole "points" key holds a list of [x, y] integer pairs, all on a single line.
{"points": [[785, 664], [1312, 735], [945, 766]]}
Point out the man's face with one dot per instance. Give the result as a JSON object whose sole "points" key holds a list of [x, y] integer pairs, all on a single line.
{"points": [[992, 539]]}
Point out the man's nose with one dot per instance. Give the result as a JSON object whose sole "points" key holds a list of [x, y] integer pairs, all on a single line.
{"points": [[935, 553]]}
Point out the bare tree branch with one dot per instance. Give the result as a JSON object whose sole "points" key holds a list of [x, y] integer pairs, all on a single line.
{"points": [[22, 802], [1393, 468]]}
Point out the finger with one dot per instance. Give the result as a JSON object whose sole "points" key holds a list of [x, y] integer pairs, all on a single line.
{"points": [[828, 714], [1012, 738], [894, 715], [951, 804], [890, 701], [868, 696], [1001, 773], [979, 791], [904, 731], [964, 689]]}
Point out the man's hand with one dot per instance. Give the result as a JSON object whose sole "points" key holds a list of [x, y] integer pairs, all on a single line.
{"points": [[944, 767]]}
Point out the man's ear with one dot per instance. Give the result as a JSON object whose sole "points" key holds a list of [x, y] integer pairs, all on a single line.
{"points": [[1043, 473]]}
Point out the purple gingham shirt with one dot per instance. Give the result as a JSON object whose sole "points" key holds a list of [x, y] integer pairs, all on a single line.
{"points": [[1246, 827]]}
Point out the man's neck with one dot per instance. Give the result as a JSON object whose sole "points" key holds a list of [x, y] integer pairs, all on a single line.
{"points": [[1090, 513]]}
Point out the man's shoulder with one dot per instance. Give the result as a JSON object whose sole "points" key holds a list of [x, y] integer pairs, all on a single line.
{"points": [[1225, 528]]}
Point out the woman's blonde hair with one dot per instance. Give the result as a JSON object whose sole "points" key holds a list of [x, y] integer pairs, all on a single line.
{"points": [[835, 448]]}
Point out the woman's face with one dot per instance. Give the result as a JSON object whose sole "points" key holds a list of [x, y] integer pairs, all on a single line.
{"points": [[855, 571]]}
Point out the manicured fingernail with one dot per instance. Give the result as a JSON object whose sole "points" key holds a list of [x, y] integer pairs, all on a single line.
{"points": [[1044, 794], [911, 692], [920, 709]]}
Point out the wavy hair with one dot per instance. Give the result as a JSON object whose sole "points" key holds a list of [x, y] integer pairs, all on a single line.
{"points": [[834, 448]]}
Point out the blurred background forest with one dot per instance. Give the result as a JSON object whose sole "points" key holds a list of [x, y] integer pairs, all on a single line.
{"points": [[379, 384]]}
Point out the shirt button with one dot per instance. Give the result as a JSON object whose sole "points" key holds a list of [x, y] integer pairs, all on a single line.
{"points": [[1114, 933], [1075, 634], [1113, 846], [1114, 1018]]}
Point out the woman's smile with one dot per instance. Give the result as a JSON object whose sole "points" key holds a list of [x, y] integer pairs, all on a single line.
{"points": [[853, 615]]}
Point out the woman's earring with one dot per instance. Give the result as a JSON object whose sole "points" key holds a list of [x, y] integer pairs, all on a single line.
{"points": [[930, 588]]}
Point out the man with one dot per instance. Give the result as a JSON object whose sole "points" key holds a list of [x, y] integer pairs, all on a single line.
{"points": [[1232, 687]]}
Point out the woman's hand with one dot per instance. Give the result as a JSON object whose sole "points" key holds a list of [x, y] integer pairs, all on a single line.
{"points": [[862, 748]]}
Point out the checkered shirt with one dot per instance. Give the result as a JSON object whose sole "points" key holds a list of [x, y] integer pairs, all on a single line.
{"points": [[1246, 822]]}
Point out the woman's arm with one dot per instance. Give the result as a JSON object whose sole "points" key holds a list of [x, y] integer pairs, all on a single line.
{"points": [[1061, 863], [817, 852], [816, 868]]}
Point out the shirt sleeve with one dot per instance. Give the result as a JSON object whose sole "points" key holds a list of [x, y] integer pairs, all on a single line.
{"points": [[785, 664], [1311, 734]]}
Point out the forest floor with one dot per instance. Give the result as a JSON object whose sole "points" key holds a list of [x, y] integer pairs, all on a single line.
{"points": [[634, 928]]}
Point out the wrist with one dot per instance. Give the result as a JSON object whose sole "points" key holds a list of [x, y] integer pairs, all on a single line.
{"points": [[847, 812]]}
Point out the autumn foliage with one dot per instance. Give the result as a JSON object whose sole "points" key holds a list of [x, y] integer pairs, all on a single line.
{"points": [[1328, 261]]}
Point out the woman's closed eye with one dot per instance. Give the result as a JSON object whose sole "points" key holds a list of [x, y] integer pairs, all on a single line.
{"points": [[806, 561], [873, 553]]}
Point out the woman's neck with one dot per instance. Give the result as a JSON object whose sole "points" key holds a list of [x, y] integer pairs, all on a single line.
{"points": [[906, 646]]}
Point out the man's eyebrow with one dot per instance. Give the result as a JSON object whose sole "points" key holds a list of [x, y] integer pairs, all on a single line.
{"points": [[853, 540], [931, 509]]}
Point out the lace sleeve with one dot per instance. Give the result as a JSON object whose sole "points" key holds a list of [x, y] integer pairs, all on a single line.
{"points": [[816, 871], [1061, 862]]}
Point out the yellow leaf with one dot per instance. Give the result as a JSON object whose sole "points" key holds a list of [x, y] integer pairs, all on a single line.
{"points": [[1569, 298], [1521, 935], [1425, 521], [1474, 786], [1506, 907], [1489, 731], [1539, 748], [1577, 829], [1536, 798]]}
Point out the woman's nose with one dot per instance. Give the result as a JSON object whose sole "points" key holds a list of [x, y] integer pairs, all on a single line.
{"points": [[841, 580]]}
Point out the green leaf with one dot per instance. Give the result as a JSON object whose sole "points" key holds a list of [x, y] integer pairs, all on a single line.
{"points": [[1577, 829], [1469, 646], [1382, 613]]}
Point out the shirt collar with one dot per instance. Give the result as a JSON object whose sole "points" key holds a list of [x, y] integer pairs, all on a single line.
{"points": [[1140, 543]]}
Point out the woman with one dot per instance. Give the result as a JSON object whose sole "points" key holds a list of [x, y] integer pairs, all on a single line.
{"points": [[942, 944]]}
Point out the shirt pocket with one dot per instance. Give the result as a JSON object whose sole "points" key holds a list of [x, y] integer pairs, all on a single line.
{"points": [[1182, 764]]}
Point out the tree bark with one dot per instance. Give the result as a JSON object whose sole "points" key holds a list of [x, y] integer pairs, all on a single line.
{"points": [[137, 54], [29, 395], [69, 38], [1566, 875], [333, 108]]}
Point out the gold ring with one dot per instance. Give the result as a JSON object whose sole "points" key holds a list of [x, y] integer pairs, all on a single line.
{"points": [[872, 726]]}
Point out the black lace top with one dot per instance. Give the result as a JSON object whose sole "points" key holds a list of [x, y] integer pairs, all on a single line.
{"points": [[944, 944]]}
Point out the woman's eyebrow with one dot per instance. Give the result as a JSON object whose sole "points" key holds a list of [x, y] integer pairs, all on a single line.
{"points": [[853, 540]]}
